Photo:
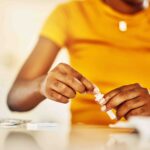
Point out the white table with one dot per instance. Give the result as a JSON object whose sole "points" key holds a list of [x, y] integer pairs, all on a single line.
{"points": [[78, 138]]}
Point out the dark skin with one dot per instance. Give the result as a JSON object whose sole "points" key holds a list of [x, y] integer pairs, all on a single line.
{"points": [[129, 100], [126, 6], [60, 84], [35, 82]]}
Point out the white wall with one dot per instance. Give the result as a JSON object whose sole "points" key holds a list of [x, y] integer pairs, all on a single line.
{"points": [[20, 23]]}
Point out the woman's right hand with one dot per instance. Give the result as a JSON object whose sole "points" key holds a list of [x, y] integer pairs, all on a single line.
{"points": [[62, 83]]}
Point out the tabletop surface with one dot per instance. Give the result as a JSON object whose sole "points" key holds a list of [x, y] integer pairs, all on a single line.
{"points": [[77, 138]]}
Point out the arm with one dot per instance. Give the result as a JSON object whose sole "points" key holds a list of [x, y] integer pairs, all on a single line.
{"points": [[34, 84], [24, 94], [129, 100]]}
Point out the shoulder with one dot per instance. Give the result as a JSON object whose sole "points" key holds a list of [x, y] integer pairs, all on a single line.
{"points": [[72, 4]]}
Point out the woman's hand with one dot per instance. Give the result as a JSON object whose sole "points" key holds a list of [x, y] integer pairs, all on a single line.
{"points": [[63, 82], [129, 100]]}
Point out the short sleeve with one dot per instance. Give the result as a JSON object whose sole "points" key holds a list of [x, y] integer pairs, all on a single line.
{"points": [[55, 27]]}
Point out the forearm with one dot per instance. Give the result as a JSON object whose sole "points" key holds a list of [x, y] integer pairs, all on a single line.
{"points": [[25, 95]]}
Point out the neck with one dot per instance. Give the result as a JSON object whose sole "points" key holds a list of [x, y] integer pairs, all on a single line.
{"points": [[124, 7]]}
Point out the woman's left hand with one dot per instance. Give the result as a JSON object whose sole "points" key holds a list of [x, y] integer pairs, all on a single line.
{"points": [[128, 100]]}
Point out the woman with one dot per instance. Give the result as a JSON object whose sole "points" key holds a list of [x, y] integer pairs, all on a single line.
{"points": [[109, 45]]}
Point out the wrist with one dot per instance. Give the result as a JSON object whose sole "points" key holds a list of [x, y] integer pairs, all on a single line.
{"points": [[39, 85]]}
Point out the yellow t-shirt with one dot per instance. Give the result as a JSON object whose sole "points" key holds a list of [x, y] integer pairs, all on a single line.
{"points": [[100, 51]]}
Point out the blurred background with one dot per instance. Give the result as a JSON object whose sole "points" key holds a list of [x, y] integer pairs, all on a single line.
{"points": [[20, 24]]}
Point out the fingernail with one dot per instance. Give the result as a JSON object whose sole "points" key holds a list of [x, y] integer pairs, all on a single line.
{"points": [[96, 90], [103, 108]]}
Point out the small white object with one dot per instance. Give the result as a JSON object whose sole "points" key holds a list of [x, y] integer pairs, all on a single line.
{"points": [[37, 126], [122, 124], [103, 108], [142, 124], [96, 90], [146, 4], [100, 99], [111, 115], [123, 26], [12, 122]]}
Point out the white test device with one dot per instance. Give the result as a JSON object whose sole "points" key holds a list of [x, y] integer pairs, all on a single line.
{"points": [[100, 99]]}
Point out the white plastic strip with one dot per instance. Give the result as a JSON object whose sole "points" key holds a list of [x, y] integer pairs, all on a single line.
{"points": [[100, 99]]}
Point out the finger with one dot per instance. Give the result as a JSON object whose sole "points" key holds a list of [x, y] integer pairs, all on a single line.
{"points": [[89, 85], [123, 109], [136, 112], [122, 97], [72, 82], [62, 89], [66, 69], [53, 95], [114, 92]]}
